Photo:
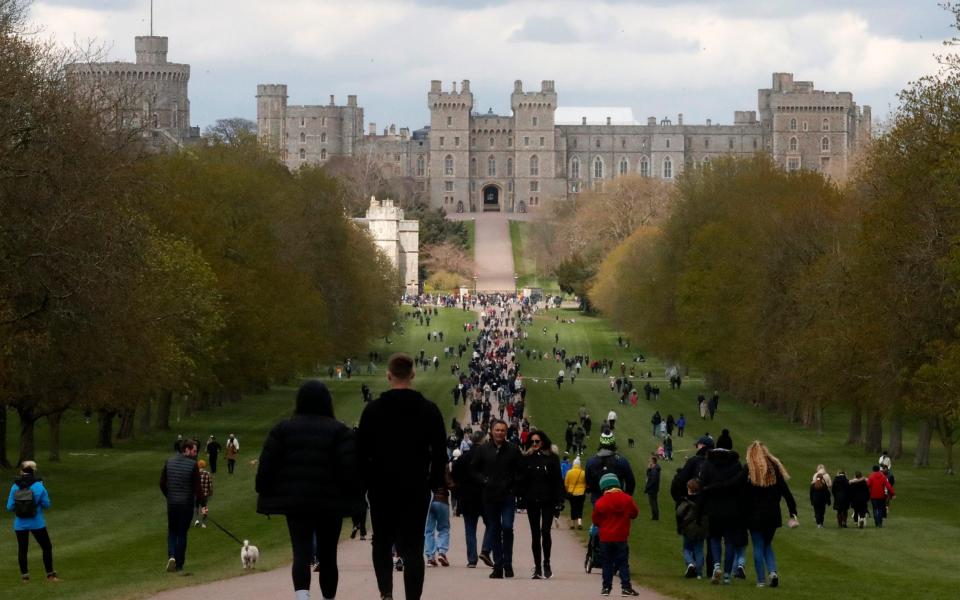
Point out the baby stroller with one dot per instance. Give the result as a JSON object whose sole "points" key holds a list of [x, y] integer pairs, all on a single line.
{"points": [[593, 550]]}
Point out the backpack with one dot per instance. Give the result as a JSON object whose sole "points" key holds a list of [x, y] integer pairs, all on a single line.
{"points": [[690, 522], [24, 504]]}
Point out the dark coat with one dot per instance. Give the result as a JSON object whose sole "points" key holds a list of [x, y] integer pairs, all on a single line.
{"points": [[497, 470], [605, 461], [722, 480], [653, 480], [541, 478], [841, 493], [467, 487], [308, 466], [761, 505], [819, 497], [690, 470], [859, 494]]}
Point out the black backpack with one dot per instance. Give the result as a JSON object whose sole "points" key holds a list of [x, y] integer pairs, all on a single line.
{"points": [[24, 504]]}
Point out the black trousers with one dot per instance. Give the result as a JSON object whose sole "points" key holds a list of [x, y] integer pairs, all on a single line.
{"points": [[231, 463], [540, 515], [213, 462], [43, 538], [654, 506], [399, 521], [326, 530]]}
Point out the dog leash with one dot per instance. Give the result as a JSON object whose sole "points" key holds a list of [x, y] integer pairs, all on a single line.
{"points": [[223, 529]]}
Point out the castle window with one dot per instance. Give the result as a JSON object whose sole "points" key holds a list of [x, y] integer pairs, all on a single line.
{"points": [[825, 144], [706, 143], [541, 141], [730, 143], [706, 161], [643, 144], [323, 137], [303, 137], [449, 121], [441, 141], [598, 168], [644, 167], [509, 142], [491, 142], [509, 167], [456, 141], [323, 121], [825, 126], [526, 141], [624, 166], [473, 186], [448, 186], [793, 163], [448, 165], [473, 167], [793, 144], [534, 166], [623, 142], [303, 122], [597, 142], [573, 143], [754, 143], [667, 168], [421, 186], [420, 166], [574, 187], [491, 167], [668, 142], [824, 163], [793, 124], [510, 186], [536, 121], [575, 168], [323, 154], [534, 186], [303, 154], [396, 158], [804, 126]]}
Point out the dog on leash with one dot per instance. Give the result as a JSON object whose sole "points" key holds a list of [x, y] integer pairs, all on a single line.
{"points": [[249, 555]]}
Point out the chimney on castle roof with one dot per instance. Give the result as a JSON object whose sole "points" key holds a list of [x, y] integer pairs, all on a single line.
{"points": [[454, 90], [583, 120], [435, 86], [651, 121], [465, 85], [709, 122], [608, 120], [372, 128], [679, 118], [518, 86], [331, 100], [546, 85], [393, 129], [352, 100]]}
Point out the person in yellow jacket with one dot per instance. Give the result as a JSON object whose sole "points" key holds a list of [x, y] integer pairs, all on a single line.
{"points": [[576, 484]]}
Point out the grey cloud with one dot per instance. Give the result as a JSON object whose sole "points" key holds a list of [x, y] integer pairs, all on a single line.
{"points": [[551, 30]]}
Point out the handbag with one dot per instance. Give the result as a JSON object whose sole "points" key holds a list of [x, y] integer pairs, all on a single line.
{"points": [[793, 522]]}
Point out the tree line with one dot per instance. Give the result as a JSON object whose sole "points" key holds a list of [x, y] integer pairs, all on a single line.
{"points": [[129, 278], [798, 293]]}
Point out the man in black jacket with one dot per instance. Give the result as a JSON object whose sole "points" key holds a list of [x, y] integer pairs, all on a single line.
{"points": [[690, 469], [496, 467], [469, 502], [401, 473]]}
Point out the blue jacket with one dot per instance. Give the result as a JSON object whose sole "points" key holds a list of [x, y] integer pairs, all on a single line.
{"points": [[40, 496]]}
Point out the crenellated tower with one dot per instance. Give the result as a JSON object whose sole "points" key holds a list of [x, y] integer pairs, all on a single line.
{"points": [[271, 117], [536, 148], [450, 144]]}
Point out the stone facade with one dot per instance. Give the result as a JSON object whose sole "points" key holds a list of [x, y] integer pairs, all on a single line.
{"points": [[468, 161], [399, 239], [152, 92]]}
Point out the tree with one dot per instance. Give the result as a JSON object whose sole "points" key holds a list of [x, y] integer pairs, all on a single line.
{"points": [[230, 131]]}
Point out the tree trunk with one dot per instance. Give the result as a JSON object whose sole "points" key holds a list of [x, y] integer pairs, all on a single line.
{"points": [[127, 419], [896, 435], [27, 422], [145, 415], [925, 434], [874, 441], [163, 410], [53, 420], [855, 435], [4, 459], [105, 428], [948, 439]]}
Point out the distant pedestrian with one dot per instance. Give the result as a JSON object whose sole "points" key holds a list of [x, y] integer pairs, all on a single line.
{"points": [[859, 499], [180, 484], [841, 497], [201, 507], [652, 487], [575, 483], [681, 425], [213, 452], [819, 499], [880, 489], [612, 419], [233, 450], [28, 500]]}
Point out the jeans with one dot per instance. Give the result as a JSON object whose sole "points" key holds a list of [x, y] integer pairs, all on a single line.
{"points": [[436, 535], [616, 559], [43, 538], [879, 511], [325, 530], [178, 524], [693, 553], [399, 521], [717, 543], [763, 553], [540, 515], [500, 524]]}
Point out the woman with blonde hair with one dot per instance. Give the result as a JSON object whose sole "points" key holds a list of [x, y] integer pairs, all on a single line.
{"points": [[766, 485]]}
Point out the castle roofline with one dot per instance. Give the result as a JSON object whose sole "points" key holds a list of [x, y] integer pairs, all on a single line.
{"points": [[595, 115]]}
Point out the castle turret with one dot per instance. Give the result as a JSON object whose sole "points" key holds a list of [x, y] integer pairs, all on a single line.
{"points": [[272, 116], [536, 156], [450, 144]]}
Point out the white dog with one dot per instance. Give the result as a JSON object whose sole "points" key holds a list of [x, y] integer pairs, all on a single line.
{"points": [[249, 555]]}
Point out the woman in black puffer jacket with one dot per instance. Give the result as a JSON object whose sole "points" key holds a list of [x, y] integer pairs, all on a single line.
{"points": [[542, 491], [308, 472]]}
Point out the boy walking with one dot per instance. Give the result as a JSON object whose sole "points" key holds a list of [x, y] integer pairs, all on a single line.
{"points": [[612, 515], [693, 526]]}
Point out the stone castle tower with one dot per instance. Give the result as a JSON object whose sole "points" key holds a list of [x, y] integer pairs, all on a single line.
{"points": [[450, 140], [399, 238]]}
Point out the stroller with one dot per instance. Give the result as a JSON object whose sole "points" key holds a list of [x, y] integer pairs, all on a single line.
{"points": [[593, 550]]}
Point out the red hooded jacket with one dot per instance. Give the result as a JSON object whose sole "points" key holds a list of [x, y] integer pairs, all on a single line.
{"points": [[879, 486], [612, 514]]}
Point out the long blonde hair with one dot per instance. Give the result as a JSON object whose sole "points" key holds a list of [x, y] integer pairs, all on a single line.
{"points": [[762, 467]]}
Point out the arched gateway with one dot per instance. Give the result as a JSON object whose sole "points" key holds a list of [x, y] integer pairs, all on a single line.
{"points": [[491, 198]]}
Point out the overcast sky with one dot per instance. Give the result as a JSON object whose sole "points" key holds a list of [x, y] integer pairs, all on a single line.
{"points": [[702, 58]]}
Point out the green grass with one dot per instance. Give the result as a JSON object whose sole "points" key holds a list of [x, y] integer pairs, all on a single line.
{"points": [[108, 520], [471, 227], [911, 557], [524, 262]]}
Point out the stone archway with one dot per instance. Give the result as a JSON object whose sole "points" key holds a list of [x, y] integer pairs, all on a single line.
{"points": [[491, 198]]}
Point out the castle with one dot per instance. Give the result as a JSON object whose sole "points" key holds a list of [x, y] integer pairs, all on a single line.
{"points": [[541, 153], [399, 238]]}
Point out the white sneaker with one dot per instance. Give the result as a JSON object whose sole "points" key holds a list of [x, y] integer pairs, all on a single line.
{"points": [[171, 565], [196, 523]]}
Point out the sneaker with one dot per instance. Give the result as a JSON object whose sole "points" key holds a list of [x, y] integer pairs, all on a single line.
{"points": [[774, 579], [203, 525], [536, 574], [171, 565], [432, 562], [605, 592], [485, 559], [547, 571], [442, 559], [717, 576], [25, 578], [399, 565], [629, 591], [740, 573], [354, 533], [691, 571], [508, 572], [363, 537], [579, 525], [196, 523], [726, 580], [471, 565], [52, 577], [496, 574], [761, 584]]}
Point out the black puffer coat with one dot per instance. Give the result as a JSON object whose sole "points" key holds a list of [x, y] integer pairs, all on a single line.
{"points": [[722, 479], [761, 505], [540, 478], [308, 464]]}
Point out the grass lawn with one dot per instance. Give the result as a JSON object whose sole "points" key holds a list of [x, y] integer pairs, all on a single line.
{"points": [[525, 263], [471, 227], [912, 557], [108, 520]]}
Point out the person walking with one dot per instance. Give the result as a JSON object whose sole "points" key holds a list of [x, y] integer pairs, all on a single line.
{"points": [[213, 452], [612, 419], [655, 421], [575, 483], [28, 499], [180, 484], [607, 460], [721, 475], [841, 497], [652, 488], [681, 425], [496, 466], [880, 489], [307, 471], [436, 533], [693, 527], [765, 486], [233, 450], [206, 491], [469, 503], [859, 498], [612, 514], [399, 498], [542, 493], [819, 499]]}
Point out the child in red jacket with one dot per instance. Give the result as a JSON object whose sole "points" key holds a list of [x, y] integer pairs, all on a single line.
{"points": [[612, 515]]}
